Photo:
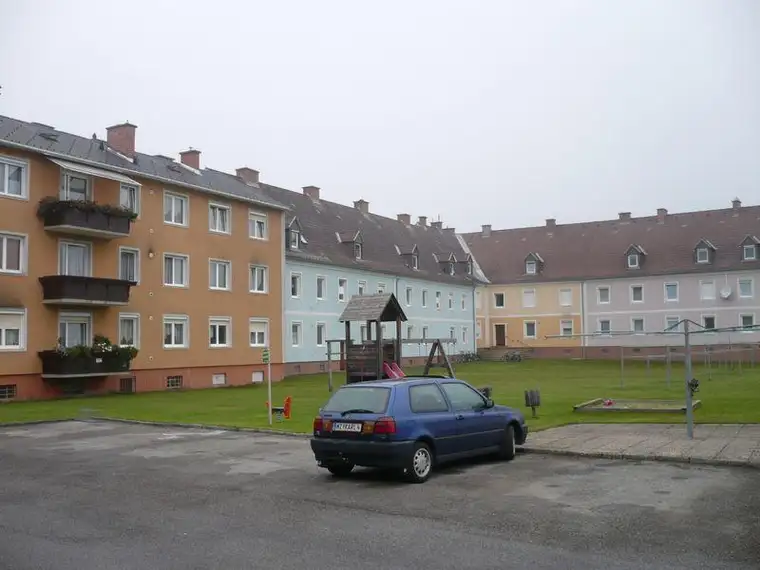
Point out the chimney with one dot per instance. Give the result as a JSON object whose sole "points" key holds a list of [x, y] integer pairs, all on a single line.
{"points": [[191, 158], [422, 221], [362, 206], [736, 203], [312, 192], [485, 230], [551, 223], [405, 219], [121, 138], [624, 216], [662, 213], [450, 230], [437, 225], [248, 175]]}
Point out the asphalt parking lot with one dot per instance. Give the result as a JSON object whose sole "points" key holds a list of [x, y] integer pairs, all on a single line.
{"points": [[81, 495]]}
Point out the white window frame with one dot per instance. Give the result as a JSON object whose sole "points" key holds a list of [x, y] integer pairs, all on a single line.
{"points": [[665, 291], [66, 176], [24, 165], [185, 273], [76, 318], [751, 287], [702, 284], [568, 292], [220, 322], [358, 251], [703, 255], [437, 300], [135, 317], [255, 216], [741, 322], [424, 298], [633, 261], [409, 331], [380, 288], [22, 340], [361, 287], [184, 320], [503, 300], [464, 336], [295, 239], [181, 197], [672, 318], [535, 329], [253, 327], [219, 379], [299, 326], [463, 301], [562, 327], [415, 262], [425, 332], [252, 270], [712, 316], [530, 267], [599, 290], [299, 288], [219, 207], [138, 197], [125, 249], [213, 267], [320, 279], [608, 332], [317, 327], [453, 333], [749, 248], [362, 333], [67, 242], [643, 325], [630, 292], [342, 290], [532, 291], [23, 253], [408, 296], [451, 301]]}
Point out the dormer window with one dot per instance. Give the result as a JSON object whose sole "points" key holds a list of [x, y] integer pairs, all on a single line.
{"points": [[633, 261], [358, 251], [530, 267], [533, 263], [451, 269], [634, 256], [704, 251], [749, 252], [415, 261], [295, 239], [469, 268], [703, 255]]}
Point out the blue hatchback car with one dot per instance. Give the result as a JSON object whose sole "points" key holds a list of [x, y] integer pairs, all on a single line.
{"points": [[411, 425]]}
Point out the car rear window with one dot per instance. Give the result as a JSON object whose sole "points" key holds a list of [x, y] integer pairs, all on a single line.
{"points": [[369, 399]]}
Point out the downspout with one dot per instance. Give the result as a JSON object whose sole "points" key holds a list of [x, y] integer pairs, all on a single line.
{"points": [[474, 320], [284, 286], [583, 320]]}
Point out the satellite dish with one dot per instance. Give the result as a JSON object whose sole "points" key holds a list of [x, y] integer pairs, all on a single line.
{"points": [[725, 293]]}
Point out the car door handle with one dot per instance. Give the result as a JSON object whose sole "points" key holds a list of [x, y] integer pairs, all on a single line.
{"points": [[459, 416]]}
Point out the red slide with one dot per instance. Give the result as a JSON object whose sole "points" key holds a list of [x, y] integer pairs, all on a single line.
{"points": [[389, 371], [397, 369]]}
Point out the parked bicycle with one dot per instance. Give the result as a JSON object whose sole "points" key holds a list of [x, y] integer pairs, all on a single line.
{"points": [[512, 356]]}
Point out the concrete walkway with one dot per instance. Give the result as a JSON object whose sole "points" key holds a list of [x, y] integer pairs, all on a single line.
{"points": [[712, 444]]}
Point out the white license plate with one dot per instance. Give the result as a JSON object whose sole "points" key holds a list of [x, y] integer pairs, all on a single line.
{"points": [[347, 426]]}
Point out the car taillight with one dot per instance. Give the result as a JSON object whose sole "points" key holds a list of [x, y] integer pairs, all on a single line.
{"points": [[317, 425], [385, 426]]}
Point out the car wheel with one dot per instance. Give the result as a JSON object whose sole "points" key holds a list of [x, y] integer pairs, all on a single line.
{"points": [[421, 464], [340, 469], [507, 450]]}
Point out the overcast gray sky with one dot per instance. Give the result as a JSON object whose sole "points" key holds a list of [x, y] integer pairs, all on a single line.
{"points": [[502, 112]]}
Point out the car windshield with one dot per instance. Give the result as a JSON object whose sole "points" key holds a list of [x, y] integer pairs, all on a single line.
{"points": [[365, 399]]}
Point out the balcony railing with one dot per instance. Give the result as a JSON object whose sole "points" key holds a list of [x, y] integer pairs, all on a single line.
{"points": [[85, 218], [56, 364], [76, 290]]}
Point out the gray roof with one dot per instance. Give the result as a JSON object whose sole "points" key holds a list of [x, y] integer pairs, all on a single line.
{"points": [[51, 142], [382, 307], [325, 224]]}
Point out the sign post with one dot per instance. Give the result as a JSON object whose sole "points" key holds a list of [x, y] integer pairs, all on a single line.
{"points": [[266, 357]]}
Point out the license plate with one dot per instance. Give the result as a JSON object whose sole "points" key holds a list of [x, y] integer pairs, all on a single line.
{"points": [[347, 426]]}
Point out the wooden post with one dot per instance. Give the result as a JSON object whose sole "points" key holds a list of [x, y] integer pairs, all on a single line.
{"points": [[379, 344], [329, 366], [398, 341], [348, 345]]}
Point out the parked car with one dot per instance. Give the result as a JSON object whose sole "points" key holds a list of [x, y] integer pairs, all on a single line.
{"points": [[411, 425]]}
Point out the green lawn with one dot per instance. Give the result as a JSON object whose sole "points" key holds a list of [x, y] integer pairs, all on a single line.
{"points": [[730, 397]]}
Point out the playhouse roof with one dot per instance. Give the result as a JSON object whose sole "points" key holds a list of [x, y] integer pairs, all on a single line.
{"points": [[383, 307]]}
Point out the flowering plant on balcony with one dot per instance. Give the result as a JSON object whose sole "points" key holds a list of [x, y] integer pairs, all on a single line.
{"points": [[51, 205], [101, 347]]}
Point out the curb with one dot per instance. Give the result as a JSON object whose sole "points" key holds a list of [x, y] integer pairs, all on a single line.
{"points": [[198, 426], [641, 457], [34, 423]]}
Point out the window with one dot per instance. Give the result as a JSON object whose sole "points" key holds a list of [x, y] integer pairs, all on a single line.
{"points": [[258, 330], [478, 328], [370, 398], [529, 297], [451, 301], [462, 397], [749, 252], [604, 327], [463, 302], [129, 198], [12, 253], [295, 285], [415, 261], [633, 261], [174, 382], [74, 329], [427, 398], [565, 297], [424, 299], [321, 285], [450, 269], [529, 329], [424, 333], [176, 332], [176, 270], [295, 239], [75, 187], [745, 288], [530, 267], [603, 295], [361, 287], [342, 284], [13, 178], [295, 334], [566, 328], [671, 324], [478, 300], [452, 333], [257, 225], [637, 293], [637, 325], [257, 377], [218, 379], [129, 330], [671, 291], [707, 290], [321, 334], [258, 279], [219, 218], [129, 264], [12, 334], [7, 391], [747, 321], [437, 300], [74, 259], [409, 331], [380, 288], [358, 250], [703, 255], [498, 300], [175, 209], [219, 332], [464, 335], [408, 296], [363, 333], [708, 321]]}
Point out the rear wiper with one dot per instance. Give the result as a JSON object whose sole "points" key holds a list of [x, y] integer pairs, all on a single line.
{"points": [[356, 411]]}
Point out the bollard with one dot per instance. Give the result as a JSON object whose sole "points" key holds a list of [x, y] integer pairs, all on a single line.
{"points": [[532, 400]]}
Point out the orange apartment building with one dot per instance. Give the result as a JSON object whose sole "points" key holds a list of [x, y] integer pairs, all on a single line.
{"points": [[181, 262]]}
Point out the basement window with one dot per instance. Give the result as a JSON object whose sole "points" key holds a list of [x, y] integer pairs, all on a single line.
{"points": [[174, 382], [7, 391]]}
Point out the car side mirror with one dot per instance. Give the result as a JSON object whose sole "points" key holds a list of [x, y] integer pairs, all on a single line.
{"points": [[489, 403]]}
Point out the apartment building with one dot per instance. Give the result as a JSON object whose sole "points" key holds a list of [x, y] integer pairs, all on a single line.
{"points": [[336, 251], [181, 262]]}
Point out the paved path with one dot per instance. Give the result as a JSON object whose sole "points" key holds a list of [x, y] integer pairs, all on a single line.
{"points": [[712, 444]]}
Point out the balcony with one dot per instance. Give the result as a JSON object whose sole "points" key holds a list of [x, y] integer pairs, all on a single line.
{"points": [[100, 359], [84, 218], [76, 290]]}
